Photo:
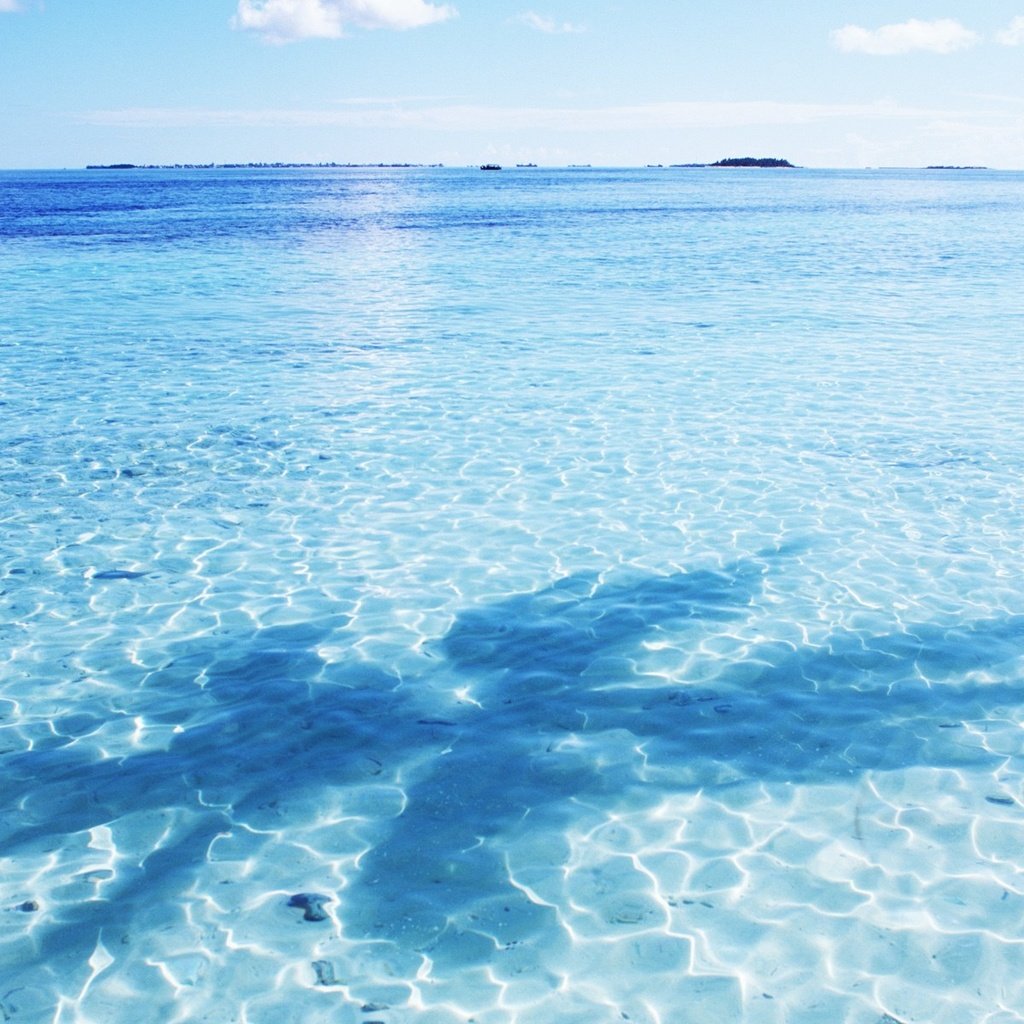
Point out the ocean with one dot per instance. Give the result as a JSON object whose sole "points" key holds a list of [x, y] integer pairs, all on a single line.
{"points": [[537, 597]]}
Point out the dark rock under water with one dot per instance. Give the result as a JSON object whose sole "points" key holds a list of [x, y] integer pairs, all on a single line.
{"points": [[312, 904]]}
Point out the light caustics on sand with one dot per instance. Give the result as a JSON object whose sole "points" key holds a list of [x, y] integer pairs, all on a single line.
{"points": [[570, 598]]}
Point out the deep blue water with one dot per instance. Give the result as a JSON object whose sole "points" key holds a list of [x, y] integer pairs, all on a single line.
{"points": [[554, 595]]}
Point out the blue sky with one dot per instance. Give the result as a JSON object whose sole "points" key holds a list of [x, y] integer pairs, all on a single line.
{"points": [[848, 83]]}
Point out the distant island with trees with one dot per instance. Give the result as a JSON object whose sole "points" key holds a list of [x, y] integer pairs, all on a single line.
{"points": [[741, 161], [751, 161]]}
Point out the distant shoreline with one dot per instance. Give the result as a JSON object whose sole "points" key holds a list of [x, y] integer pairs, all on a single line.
{"points": [[741, 161], [730, 162], [275, 166]]}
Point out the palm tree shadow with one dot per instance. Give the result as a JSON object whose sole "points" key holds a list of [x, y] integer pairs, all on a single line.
{"points": [[537, 663], [549, 681], [542, 667]]}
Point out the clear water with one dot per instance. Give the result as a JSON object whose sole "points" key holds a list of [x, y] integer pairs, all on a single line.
{"points": [[549, 596]]}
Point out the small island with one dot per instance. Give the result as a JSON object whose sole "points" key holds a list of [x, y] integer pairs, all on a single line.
{"points": [[751, 161], [740, 161]]}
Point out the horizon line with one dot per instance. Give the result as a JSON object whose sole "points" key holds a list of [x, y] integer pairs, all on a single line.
{"points": [[520, 165]]}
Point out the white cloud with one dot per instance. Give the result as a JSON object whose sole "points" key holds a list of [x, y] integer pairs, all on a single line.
{"points": [[9, 5], [283, 21], [942, 36], [1013, 34], [542, 23]]}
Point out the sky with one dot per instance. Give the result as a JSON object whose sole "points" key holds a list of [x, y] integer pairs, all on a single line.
{"points": [[842, 83]]}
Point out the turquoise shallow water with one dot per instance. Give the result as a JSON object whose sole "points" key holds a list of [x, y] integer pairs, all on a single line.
{"points": [[571, 596]]}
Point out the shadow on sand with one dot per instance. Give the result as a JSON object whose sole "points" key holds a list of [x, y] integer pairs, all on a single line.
{"points": [[275, 724]]}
